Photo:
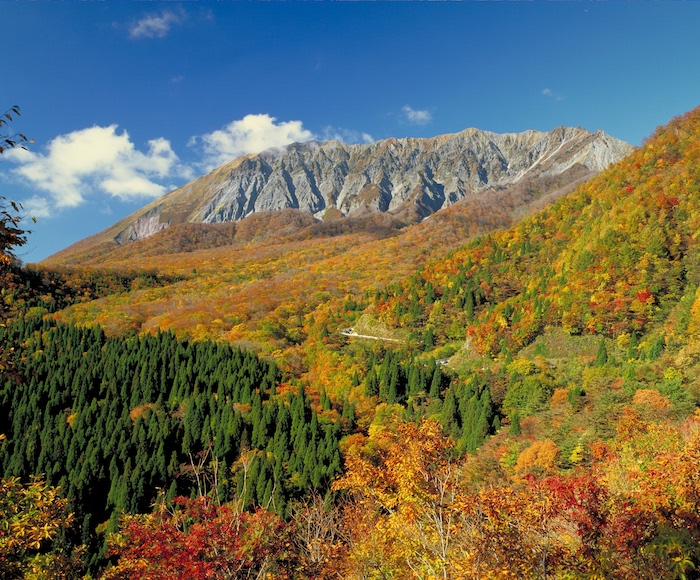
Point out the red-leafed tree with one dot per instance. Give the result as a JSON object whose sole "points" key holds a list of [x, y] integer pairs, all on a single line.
{"points": [[195, 539]]}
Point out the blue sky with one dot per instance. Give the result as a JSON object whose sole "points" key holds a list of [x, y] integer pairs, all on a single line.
{"points": [[127, 100]]}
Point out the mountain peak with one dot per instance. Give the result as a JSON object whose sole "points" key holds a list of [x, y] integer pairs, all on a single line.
{"points": [[409, 177]]}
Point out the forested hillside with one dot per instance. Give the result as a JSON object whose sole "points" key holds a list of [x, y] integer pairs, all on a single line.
{"points": [[519, 404], [110, 421], [614, 258]]}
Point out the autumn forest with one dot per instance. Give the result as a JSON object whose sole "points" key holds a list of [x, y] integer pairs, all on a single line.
{"points": [[507, 389]]}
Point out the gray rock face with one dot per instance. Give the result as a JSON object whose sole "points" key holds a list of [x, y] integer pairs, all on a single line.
{"points": [[419, 176], [147, 225], [387, 175]]}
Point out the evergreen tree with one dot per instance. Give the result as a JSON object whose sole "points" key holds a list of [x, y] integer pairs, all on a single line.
{"points": [[371, 383], [632, 351], [436, 383], [428, 338], [111, 419], [514, 430], [601, 357], [451, 419]]}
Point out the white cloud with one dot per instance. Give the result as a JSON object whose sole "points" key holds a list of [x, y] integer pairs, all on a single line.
{"points": [[251, 134], [154, 26], [549, 93], [345, 135], [36, 207], [100, 161], [96, 160], [417, 117]]}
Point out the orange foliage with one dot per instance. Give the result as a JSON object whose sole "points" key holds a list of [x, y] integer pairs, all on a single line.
{"points": [[539, 457], [651, 397]]}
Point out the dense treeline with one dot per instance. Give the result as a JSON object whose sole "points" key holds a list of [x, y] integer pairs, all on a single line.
{"points": [[629, 511], [464, 406], [111, 420], [36, 290]]}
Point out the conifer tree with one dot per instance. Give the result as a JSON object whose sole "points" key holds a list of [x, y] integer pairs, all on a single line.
{"points": [[436, 383], [514, 430], [601, 357]]}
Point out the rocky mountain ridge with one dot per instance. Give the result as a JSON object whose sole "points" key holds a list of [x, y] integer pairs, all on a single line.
{"points": [[409, 177]]}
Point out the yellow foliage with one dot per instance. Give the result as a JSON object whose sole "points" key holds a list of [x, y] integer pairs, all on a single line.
{"points": [[541, 454], [623, 341], [577, 454], [404, 481], [694, 322], [522, 366], [30, 517]]}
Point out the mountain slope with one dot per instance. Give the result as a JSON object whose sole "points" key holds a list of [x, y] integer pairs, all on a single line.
{"points": [[411, 178], [615, 257], [253, 279]]}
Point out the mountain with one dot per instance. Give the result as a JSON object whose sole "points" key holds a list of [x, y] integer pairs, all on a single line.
{"points": [[519, 396], [409, 178]]}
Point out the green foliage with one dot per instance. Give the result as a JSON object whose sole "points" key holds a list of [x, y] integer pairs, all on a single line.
{"points": [[574, 396], [112, 419], [467, 413], [398, 379], [514, 430], [601, 356], [530, 388]]}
